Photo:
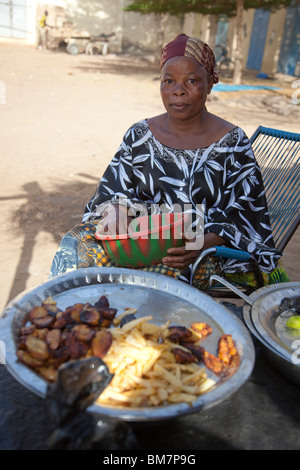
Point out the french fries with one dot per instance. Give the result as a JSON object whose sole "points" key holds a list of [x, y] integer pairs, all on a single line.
{"points": [[145, 369], [152, 365]]}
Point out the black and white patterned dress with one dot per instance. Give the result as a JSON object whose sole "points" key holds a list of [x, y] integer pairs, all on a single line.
{"points": [[223, 177]]}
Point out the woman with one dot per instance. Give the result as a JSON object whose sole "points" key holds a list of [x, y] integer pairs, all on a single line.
{"points": [[185, 156]]}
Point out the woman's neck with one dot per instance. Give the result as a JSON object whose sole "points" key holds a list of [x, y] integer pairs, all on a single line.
{"points": [[189, 135]]}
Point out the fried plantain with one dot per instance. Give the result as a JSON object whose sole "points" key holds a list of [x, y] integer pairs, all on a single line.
{"points": [[83, 332], [77, 348], [26, 358], [37, 348], [53, 338], [101, 343], [90, 315]]}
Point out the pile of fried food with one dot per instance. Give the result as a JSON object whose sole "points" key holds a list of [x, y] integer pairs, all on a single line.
{"points": [[151, 364]]}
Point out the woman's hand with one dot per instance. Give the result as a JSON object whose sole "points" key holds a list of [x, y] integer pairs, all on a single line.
{"points": [[183, 256]]}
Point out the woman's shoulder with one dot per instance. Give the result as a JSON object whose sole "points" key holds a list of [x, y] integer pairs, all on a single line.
{"points": [[136, 132], [137, 127], [226, 130], [236, 136]]}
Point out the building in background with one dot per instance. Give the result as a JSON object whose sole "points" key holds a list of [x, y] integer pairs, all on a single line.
{"points": [[271, 40], [289, 57], [13, 19]]}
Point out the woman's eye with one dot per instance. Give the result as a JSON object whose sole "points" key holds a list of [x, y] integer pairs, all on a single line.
{"points": [[192, 81]]}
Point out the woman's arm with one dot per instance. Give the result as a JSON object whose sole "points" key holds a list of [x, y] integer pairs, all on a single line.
{"points": [[182, 257], [117, 185]]}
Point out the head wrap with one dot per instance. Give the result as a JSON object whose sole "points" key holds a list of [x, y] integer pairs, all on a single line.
{"points": [[187, 46]]}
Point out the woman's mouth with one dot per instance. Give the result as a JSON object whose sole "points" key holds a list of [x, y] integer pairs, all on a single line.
{"points": [[178, 106]]}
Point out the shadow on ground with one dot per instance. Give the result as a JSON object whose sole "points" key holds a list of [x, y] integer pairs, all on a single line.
{"points": [[119, 65], [54, 212]]}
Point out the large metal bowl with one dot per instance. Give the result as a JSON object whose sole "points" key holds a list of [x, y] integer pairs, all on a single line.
{"points": [[155, 294]]}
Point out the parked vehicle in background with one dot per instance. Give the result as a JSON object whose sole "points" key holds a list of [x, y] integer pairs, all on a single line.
{"points": [[61, 33], [92, 45]]}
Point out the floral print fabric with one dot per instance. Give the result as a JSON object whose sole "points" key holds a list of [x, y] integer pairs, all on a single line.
{"points": [[223, 177]]}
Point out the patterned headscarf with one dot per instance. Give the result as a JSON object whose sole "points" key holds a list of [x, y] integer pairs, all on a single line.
{"points": [[187, 46]]}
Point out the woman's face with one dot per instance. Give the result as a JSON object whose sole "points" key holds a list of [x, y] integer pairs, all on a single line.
{"points": [[184, 87]]}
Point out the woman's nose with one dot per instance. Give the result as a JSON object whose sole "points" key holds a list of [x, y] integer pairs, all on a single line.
{"points": [[179, 89]]}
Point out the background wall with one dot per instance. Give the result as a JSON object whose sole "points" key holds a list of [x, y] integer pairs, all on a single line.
{"points": [[136, 32]]}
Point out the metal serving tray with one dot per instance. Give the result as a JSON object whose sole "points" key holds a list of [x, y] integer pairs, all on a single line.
{"points": [[162, 297], [263, 319], [270, 324]]}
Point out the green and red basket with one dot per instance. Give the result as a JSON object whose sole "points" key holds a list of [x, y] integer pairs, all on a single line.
{"points": [[147, 240]]}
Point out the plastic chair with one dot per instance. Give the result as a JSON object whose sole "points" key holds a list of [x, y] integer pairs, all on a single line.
{"points": [[278, 155]]}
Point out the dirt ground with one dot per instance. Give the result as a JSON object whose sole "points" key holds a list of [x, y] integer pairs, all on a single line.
{"points": [[61, 123]]}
